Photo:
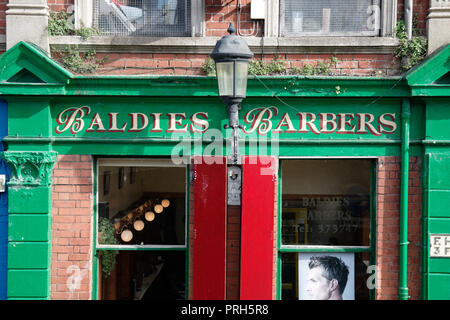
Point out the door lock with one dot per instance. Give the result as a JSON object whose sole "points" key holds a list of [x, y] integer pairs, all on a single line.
{"points": [[2, 182]]}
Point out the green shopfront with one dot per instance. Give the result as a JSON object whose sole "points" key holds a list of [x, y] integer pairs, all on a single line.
{"points": [[120, 186]]}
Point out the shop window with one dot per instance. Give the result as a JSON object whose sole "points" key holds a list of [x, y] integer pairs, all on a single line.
{"points": [[325, 225], [142, 218], [143, 17]]}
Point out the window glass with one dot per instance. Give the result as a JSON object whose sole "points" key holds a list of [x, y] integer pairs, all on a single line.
{"points": [[144, 275], [329, 18], [309, 276], [326, 202], [144, 205], [143, 17]]}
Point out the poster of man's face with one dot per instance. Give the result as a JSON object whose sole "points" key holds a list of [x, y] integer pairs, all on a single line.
{"points": [[326, 276]]}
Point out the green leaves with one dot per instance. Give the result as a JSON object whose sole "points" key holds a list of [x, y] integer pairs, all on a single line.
{"points": [[106, 231], [410, 52], [321, 68], [78, 62], [277, 66], [85, 32], [106, 236], [59, 25], [208, 67], [255, 67], [263, 68]]}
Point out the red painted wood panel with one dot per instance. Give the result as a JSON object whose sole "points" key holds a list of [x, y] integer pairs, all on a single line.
{"points": [[257, 229], [209, 244]]}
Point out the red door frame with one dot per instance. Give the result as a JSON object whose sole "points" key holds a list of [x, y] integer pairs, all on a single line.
{"points": [[209, 232], [257, 227]]}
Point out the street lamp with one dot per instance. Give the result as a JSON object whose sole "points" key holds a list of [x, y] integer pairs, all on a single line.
{"points": [[231, 55]]}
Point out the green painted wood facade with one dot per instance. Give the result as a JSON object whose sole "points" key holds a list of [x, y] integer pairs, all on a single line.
{"points": [[42, 97]]}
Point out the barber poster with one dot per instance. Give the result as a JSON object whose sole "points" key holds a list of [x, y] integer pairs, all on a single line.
{"points": [[326, 276]]}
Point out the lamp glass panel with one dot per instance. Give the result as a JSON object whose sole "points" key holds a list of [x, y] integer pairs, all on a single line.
{"points": [[225, 78], [241, 78]]}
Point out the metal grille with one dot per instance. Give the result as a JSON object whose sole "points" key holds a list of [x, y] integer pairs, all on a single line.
{"points": [[168, 18], [329, 17]]}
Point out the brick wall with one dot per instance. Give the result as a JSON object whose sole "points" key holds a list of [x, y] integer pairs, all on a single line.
{"points": [[420, 9], [388, 224], [72, 215], [3, 16], [58, 5], [152, 63], [219, 13], [190, 64]]}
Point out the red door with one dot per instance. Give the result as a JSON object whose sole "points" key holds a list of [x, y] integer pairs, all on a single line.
{"points": [[209, 232], [257, 227]]}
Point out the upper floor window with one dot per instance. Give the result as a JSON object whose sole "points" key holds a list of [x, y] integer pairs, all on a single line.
{"points": [[330, 18], [143, 17]]}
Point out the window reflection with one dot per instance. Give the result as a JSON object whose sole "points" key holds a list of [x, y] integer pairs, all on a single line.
{"points": [[326, 202]]}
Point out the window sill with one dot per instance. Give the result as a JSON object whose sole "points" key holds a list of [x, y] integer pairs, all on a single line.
{"points": [[204, 45]]}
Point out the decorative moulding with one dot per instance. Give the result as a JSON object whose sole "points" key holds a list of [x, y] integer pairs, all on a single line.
{"points": [[29, 168]]}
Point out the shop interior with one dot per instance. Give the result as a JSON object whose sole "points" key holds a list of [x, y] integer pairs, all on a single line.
{"points": [[142, 213]]}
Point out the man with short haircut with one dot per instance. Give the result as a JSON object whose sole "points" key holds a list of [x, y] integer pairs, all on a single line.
{"points": [[327, 278]]}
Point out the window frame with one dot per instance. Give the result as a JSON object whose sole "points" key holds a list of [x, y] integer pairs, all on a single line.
{"points": [[84, 16], [371, 249], [388, 19], [96, 247]]}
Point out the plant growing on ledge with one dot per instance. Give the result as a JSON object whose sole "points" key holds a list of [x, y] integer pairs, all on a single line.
{"points": [[78, 62], [321, 68], [106, 236], [255, 67], [410, 52], [58, 23], [208, 67], [61, 24], [263, 68], [277, 66]]}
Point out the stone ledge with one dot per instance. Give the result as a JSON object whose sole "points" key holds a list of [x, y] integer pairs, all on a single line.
{"points": [[204, 45]]}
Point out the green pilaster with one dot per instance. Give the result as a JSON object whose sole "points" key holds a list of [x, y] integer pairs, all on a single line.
{"points": [[29, 224]]}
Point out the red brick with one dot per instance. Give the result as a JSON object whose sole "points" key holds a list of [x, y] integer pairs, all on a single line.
{"points": [[164, 56], [78, 257], [67, 157]]}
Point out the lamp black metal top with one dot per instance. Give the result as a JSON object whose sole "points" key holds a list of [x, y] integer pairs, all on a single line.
{"points": [[231, 47]]}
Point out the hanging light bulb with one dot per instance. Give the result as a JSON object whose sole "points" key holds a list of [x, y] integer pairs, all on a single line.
{"points": [[165, 203], [149, 216], [158, 208], [138, 225], [126, 235]]}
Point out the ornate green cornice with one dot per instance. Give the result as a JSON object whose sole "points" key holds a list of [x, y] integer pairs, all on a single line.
{"points": [[30, 168]]}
